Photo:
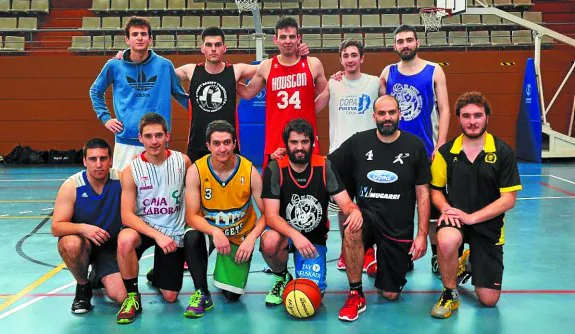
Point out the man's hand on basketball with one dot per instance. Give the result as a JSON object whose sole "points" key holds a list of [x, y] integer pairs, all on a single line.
{"points": [[354, 221], [418, 247], [245, 250], [303, 49], [221, 242], [337, 76], [278, 153], [167, 244], [95, 234], [114, 125], [304, 246]]}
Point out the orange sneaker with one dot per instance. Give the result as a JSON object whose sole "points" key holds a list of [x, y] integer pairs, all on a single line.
{"points": [[341, 263]]}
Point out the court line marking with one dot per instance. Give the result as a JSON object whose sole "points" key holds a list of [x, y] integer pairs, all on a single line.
{"points": [[562, 179], [561, 190], [32, 286], [24, 217], [50, 274], [27, 201]]}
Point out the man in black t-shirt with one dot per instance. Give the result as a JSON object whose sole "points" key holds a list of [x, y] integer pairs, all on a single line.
{"points": [[296, 192], [392, 174]]}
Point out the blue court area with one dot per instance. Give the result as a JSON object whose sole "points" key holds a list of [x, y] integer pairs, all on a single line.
{"points": [[538, 285]]}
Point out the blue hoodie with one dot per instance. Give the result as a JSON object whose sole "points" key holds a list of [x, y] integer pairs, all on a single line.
{"points": [[138, 88]]}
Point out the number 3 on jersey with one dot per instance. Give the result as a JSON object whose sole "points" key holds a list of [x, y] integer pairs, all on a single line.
{"points": [[286, 100]]}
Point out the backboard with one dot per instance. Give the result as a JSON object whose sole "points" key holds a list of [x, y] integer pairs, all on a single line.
{"points": [[456, 6]]}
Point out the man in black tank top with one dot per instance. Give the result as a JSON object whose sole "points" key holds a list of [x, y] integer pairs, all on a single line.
{"points": [[296, 192]]}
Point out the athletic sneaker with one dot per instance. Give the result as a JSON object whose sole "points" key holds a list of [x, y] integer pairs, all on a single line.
{"points": [[267, 269], [354, 305], [81, 303], [275, 296], [434, 264], [372, 270], [199, 304], [369, 258], [131, 306], [446, 304], [340, 263], [464, 268]]}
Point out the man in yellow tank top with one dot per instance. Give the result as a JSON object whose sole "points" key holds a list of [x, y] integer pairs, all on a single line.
{"points": [[219, 192]]}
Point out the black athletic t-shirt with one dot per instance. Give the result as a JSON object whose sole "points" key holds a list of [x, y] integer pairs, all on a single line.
{"points": [[386, 176], [303, 201], [212, 97]]}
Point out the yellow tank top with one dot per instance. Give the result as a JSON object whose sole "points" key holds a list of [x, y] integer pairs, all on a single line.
{"points": [[227, 204]]}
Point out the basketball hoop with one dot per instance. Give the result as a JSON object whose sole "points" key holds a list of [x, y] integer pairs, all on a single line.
{"points": [[247, 5], [432, 17]]}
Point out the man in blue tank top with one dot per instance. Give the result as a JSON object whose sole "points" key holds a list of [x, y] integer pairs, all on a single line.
{"points": [[420, 88], [87, 222]]}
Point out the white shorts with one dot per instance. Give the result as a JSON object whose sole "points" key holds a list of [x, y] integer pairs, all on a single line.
{"points": [[124, 154]]}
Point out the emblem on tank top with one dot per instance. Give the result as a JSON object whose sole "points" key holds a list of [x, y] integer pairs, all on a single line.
{"points": [[304, 213], [409, 99], [211, 96]]}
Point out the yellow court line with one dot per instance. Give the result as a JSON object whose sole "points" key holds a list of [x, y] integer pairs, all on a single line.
{"points": [[32, 286], [25, 217], [27, 201]]}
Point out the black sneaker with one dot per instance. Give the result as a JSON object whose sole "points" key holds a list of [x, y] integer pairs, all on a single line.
{"points": [[96, 283], [82, 299]]}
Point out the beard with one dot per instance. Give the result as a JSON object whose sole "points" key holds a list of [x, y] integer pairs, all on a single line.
{"points": [[409, 56], [300, 161], [387, 130], [474, 136]]}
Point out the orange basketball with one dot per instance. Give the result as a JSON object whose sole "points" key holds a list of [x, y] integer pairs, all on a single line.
{"points": [[302, 298]]}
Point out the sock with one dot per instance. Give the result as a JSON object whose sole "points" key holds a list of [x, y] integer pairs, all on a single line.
{"points": [[453, 293], [281, 273], [434, 249], [357, 287], [206, 292], [131, 285]]}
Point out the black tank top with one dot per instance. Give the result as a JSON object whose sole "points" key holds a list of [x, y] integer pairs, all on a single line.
{"points": [[212, 97], [304, 207]]}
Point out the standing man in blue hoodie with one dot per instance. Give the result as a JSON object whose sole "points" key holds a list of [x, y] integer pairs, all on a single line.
{"points": [[142, 83]]}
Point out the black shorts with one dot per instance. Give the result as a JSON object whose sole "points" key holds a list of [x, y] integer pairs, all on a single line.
{"points": [[168, 268], [392, 254], [486, 258], [103, 261]]}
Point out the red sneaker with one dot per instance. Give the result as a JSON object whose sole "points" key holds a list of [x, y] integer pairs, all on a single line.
{"points": [[341, 263], [372, 270], [185, 265], [368, 259], [354, 305]]}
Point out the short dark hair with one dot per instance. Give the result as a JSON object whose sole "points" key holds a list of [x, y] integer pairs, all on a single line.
{"points": [[298, 125], [96, 143], [351, 42], [286, 22], [404, 28], [473, 97], [153, 118], [220, 126], [137, 21], [213, 31]]}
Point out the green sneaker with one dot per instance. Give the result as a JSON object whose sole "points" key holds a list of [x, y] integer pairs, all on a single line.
{"points": [[199, 304], [447, 303], [131, 306], [275, 296]]}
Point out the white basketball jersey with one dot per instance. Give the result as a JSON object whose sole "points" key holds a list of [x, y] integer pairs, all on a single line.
{"points": [[351, 107], [160, 194]]}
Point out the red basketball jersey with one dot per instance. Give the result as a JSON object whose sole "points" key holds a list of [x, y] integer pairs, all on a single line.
{"points": [[290, 94]]}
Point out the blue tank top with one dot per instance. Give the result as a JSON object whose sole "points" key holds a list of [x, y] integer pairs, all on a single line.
{"points": [[101, 210], [416, 97]]}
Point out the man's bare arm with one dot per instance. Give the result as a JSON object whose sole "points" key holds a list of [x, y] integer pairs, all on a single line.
{"points": [[440, 84], [256, 84]]}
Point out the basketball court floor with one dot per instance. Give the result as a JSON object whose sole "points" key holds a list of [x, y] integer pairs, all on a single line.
{"points": [[36, 291]]}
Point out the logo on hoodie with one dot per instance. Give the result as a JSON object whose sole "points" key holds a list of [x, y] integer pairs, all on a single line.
{"points": [[141, 83]]}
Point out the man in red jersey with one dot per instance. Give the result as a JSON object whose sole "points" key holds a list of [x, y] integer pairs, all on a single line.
{"points": [[292, 83]]}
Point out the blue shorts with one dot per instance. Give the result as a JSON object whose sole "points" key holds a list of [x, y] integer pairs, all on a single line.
{"points": [[314, 269]]}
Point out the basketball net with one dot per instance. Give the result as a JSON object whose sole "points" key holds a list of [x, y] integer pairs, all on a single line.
{"points": [[247, 5], [432, 17]]}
